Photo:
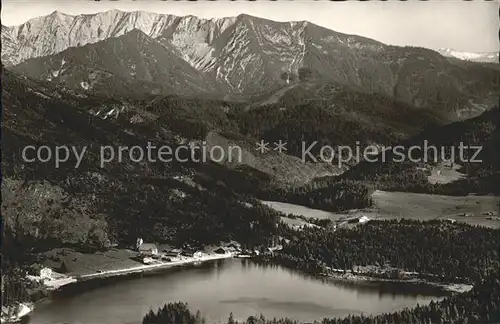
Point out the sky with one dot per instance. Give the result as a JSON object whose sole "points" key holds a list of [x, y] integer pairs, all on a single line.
{"points": [[471, 26]]}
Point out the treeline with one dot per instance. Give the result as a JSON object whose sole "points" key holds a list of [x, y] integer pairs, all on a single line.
{"points": [[348, 118], [411, 177], [16, 287], [201, 217], [173, 313], [191, 117], [322, 193], [329, 196], [435, 250], [481, 305]]}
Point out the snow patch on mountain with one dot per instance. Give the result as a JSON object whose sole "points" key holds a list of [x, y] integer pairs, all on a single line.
{"points": [[468, 56]]}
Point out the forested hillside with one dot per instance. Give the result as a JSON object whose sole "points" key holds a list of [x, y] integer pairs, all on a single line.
{"points": [[94, 206], [334, 115], [435, 250], [481, 177]]}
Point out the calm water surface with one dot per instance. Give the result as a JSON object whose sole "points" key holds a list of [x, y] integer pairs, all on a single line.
{"points": [[218, 288]]}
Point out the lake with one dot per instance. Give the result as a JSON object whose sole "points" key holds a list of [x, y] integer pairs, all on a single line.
{"points": [[220, 287]]}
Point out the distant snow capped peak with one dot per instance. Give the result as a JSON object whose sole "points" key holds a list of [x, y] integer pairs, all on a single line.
{"points": [[469, 56]]}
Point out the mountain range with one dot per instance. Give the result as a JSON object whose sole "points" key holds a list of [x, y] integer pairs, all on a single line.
{"points": [[236, 58]]}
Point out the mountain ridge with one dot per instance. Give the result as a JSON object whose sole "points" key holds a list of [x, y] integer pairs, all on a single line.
{"points": [[246, 56], [131, 61]]}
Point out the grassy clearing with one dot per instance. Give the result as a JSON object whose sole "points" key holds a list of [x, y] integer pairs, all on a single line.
{"points": [[442, 174], [85, 263]]}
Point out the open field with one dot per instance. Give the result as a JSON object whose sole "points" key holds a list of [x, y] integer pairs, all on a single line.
{"points": [[390, 205], [78, 264], [426, 207], [443, 174], [157, 265]]}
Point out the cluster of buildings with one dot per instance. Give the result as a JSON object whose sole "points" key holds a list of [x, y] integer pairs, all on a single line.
{"points": [[149, 252]]}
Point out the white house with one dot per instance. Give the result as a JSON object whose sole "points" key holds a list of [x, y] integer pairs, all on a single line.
{"points": [[198, 254], [148, 248], [45, 273], [363, 219]]}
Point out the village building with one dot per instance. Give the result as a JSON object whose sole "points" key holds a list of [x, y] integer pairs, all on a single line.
{"points": [[234, 244], [198, 254], [40, 271], [148, 248], [45, 273], [363, 219], [359, 219], [233, 247]]}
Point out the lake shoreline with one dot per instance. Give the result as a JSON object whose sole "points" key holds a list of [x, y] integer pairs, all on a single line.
{"points": [[153, 267], [95, 285], [77, 282], [337, 275], [68, 283], [360, 278], [334, 275], [66, 280]]}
